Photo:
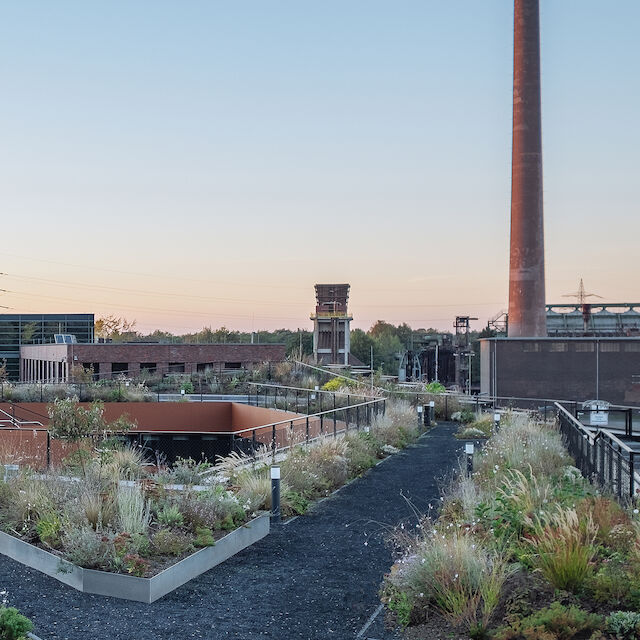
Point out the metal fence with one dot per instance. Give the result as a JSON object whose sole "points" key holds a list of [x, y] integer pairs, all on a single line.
{"points": [[600, 456]]}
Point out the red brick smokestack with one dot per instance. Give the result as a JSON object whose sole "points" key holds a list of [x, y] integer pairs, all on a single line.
{"points": [[527, 314]]}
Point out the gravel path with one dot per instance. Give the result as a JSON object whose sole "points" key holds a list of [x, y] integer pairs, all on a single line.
{"points": [[316, 577]]}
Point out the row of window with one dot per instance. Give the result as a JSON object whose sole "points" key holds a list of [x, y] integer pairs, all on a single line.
{"points": [[581, 347], [118, 368]]}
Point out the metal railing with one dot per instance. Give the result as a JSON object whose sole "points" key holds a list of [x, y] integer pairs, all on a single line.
{"points": [[283, 434], [600, 455]]}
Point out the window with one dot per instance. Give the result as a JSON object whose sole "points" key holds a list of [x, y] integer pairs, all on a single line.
{"points": [[202, 367], [119, 367], [583, 347], [609, 347], [233, 365], [632, 346], [558, 346], [176, 367], [531, 347], [148, 367], [93, 368]]}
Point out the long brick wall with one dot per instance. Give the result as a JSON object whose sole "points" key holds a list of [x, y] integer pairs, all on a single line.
{"points": [[53, 361]]}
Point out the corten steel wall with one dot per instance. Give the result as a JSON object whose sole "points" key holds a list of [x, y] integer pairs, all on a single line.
{"points": [[191, 355], [527, 316], [563, 368], [28, 446]]}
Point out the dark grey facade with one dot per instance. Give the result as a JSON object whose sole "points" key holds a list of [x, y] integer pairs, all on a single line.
{"points": [[583, 368], [38, 328]]}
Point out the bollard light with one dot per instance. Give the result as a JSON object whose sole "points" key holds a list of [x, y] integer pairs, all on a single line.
{"points": [[496, 421], [275, 494], [367, 429], [468, 449]]}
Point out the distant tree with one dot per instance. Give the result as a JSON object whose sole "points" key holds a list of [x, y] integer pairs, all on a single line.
{"points": [[117, 329], [361, 344]]}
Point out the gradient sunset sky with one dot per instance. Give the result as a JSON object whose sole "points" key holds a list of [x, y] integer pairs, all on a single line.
{"points": [[205, 163]]}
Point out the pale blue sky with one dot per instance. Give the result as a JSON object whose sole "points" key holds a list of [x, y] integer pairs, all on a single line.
{"points": [[183, 149]]}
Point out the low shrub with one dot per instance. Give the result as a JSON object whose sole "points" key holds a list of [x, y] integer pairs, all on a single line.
{"points": [[169, 542], [49, 528], [86, 548], [170, 516], [616, 582], [13, 625], [624, 625], [556, 622], [204, 537]]}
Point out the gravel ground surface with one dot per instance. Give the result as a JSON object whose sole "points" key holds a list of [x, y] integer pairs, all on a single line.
{"points": [[316, 577]]}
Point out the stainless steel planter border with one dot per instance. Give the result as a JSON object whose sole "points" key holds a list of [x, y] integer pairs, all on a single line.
{"points": [[127, 587]]}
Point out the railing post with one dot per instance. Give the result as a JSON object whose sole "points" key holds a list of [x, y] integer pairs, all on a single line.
{"points": [[358, 417], [48, 449], [273, 443], [610, 466], [446, 408], [233, 443], [619, 491], [321, 424], [308, 402], [335, 419], [629, 423], [253, 442], [307, 429], [632, 473]]}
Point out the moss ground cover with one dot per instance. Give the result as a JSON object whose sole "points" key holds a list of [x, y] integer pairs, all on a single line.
{"points": [[525, 549]]}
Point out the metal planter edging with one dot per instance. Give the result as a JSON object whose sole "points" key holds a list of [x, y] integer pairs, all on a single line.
{"points": [[126, 587]]}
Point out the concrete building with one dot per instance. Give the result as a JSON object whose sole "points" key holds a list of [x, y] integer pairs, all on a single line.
{"points": [[21, 329], [54, 362], [331, 325]]}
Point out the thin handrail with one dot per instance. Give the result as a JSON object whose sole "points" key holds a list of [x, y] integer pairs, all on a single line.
{"points": [[304, 417], [338, 393], [593, 436]]}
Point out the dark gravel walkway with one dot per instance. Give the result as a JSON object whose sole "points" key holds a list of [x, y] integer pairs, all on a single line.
{"points": [[314, 578]]}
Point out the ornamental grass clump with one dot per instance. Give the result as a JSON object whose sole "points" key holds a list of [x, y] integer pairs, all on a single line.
{"points": [[397, 427], [453, 573], [133, 510], [562, 547], [525, 445]]}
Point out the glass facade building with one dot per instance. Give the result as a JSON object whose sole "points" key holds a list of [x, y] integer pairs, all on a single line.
{"points": [[38, 328]]}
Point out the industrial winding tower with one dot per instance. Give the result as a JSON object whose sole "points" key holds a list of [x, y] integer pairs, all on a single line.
{"points": [[527, 317], [331, 320]]}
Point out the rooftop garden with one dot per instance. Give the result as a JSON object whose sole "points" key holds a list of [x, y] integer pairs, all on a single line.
{"points": [[108, 508], [524, 549]]}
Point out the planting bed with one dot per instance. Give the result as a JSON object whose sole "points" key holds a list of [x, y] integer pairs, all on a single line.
{"points": [[312, 579], [131, 587], [525, 549]]}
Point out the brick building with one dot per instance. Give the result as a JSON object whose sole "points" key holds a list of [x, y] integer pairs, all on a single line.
{"points": [[568, 368], [53, 362]]}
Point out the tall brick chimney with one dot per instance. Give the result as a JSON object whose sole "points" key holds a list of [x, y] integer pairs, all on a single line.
{"points": [[527, 314]]}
